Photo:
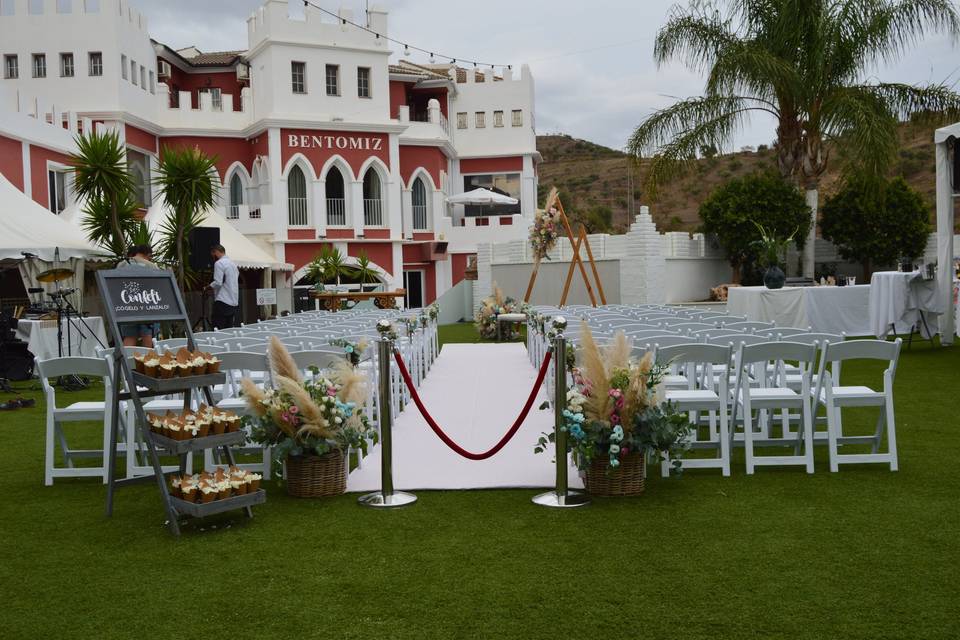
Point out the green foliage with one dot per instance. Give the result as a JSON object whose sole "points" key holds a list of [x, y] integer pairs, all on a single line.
{"points": [[185, 181], [707, 151], [328, 265], [733, 211], [101, 179], [876, 222], [803, 64], [599, 219], [771, 248]]}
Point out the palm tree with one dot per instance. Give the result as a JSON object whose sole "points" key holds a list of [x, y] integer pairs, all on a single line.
{"points": [[805, 63], [101, 179], [185, 181], [364, 270]]}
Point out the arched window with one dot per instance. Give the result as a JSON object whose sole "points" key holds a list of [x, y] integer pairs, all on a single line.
{"points": [[236, 197], [372, 199], [419, 197], [297, 198], [336, 199]]}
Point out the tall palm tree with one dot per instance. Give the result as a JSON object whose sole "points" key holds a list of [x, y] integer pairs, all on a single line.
{"points": [[364, 269], [806, 64], [185, 180], [101, 179]]}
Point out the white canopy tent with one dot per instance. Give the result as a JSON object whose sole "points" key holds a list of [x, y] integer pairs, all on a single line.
{"points": [[243, 251], [481, 196], [26, 226], [946, 140]]}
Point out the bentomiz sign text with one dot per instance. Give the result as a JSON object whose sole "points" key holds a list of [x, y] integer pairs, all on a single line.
{"points": [[360, 143]]}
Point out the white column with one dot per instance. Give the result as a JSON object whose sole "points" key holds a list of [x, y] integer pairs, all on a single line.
{"points": [[406, 206], [278, 192], [355, 204], [528, 188], [318, 201], [394, 202], [27, 170]]}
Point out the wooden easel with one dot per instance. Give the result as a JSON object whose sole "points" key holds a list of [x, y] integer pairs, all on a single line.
{"points": [[576, 261]]}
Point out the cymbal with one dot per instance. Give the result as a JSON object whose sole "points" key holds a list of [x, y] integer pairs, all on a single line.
{"points": [[55, 275]]}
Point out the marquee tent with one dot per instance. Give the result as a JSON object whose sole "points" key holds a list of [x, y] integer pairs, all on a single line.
{"points": [[243, 251], [26, 226], [946, 140]]}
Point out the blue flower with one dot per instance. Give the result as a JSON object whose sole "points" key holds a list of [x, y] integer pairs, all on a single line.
{"points": [[348, 349], [614, 462], [617, 434], [577, 432]]}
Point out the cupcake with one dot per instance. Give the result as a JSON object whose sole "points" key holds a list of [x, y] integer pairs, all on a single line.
{"points": [[188, 488], [175, 487], [253, 482], [218, 425], [174, 432], [199, 364], [151, 364], [213, 363], [223, 489], [190, 430], [238, 485], [168, 369], [208, 492], [138, 362], [233, 422]]}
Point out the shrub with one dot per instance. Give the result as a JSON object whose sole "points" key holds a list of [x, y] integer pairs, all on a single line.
{"points": [[876, 222], [734, 209]]}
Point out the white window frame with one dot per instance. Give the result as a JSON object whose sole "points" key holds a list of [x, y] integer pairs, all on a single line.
{"points": [[64, 7], [480, 120], [336, 79], [95, 64], [133, 71], [516, 118], [498, 119], [39, 70], [462, 119], [363, 88], [63, 170], [67, 63], [153, 82], [302, 79], [8, 68], [216, 96]]}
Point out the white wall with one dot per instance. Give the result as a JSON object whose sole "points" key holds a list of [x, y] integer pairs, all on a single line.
{"points": [[690, 279]]}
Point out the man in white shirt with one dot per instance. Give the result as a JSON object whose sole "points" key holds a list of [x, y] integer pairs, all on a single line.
{"points": [[226, 288]]}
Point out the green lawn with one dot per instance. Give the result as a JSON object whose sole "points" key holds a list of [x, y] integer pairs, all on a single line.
{"points": [[865, 553]]}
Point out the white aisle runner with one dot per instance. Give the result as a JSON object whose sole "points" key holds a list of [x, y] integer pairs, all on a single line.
{"points": [[474, 392]]}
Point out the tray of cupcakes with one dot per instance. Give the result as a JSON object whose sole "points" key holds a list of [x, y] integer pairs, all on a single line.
{"points": [[204, 428], [176, 371], [207, 493]]}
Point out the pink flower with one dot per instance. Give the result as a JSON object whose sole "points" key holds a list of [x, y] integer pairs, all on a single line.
{"points": [[331, 392], [294, 409]]}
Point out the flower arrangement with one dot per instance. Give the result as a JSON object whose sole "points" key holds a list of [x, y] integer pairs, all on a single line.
{"points": [[546, 228], [354, 350], [308, 417], [433, 311], [616, 407], [411, 323], [490, 308]]}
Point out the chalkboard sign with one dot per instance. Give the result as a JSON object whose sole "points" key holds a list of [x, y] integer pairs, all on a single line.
{"points": [[140, 295]]}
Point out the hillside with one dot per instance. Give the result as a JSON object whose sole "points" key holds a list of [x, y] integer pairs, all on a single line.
{"points": [[592, 178]]}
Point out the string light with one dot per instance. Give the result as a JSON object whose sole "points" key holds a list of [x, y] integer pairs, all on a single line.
{"points": [[406, 47]]}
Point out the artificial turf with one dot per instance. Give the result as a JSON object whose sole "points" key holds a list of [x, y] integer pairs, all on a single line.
{"points": [[864, 553]]}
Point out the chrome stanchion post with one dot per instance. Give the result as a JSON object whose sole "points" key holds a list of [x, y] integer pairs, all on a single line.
{"points": [[561, 496], [386, 497]]}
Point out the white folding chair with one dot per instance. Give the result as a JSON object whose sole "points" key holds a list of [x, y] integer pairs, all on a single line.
{"points": [[236, 365], [707, 391], [761, 385], [85, 411], [837, 396]]}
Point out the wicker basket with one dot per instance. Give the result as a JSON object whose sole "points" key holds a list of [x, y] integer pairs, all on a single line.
{"points": [[316, 476], [625, 480]]}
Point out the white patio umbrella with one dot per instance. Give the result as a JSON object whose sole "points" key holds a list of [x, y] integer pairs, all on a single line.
{"points": [[481, 196]]}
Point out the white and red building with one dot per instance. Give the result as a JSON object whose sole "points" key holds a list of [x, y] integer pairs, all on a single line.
{"points": [[320, 137]]}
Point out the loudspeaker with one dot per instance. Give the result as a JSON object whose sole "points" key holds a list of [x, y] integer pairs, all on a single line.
{"points": [[16, 363], [201, 239]]}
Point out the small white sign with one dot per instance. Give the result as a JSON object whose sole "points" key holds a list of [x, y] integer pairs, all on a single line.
{"points": [[266, 297]]}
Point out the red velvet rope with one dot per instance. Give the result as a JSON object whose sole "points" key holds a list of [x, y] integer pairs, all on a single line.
{"points": [[446, 439]]}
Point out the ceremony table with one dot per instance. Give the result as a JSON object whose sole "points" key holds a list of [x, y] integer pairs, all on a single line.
{"points": [[41, 336], [904, 299], [826, 309]]}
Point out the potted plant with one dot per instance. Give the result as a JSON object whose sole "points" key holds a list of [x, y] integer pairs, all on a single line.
{"points": [[772, 253], [310, 424], [616, 417]]}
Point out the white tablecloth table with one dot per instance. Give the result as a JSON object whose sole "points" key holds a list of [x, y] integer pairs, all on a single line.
{"points": [[902, 299], [41, 336], [824, 309]]}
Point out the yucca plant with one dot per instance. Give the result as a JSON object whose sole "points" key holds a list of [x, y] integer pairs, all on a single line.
{"points": [[185, 180], [808, 64], [101, 179]]}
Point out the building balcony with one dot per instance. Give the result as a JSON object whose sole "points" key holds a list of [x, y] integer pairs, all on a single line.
{"points": [[431, 126]]}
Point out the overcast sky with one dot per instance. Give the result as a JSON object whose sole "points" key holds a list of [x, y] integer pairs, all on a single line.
{"points": [[592, 61]]}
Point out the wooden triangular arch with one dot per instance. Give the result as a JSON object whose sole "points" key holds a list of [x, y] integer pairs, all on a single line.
{"points": [[576, 261]]}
